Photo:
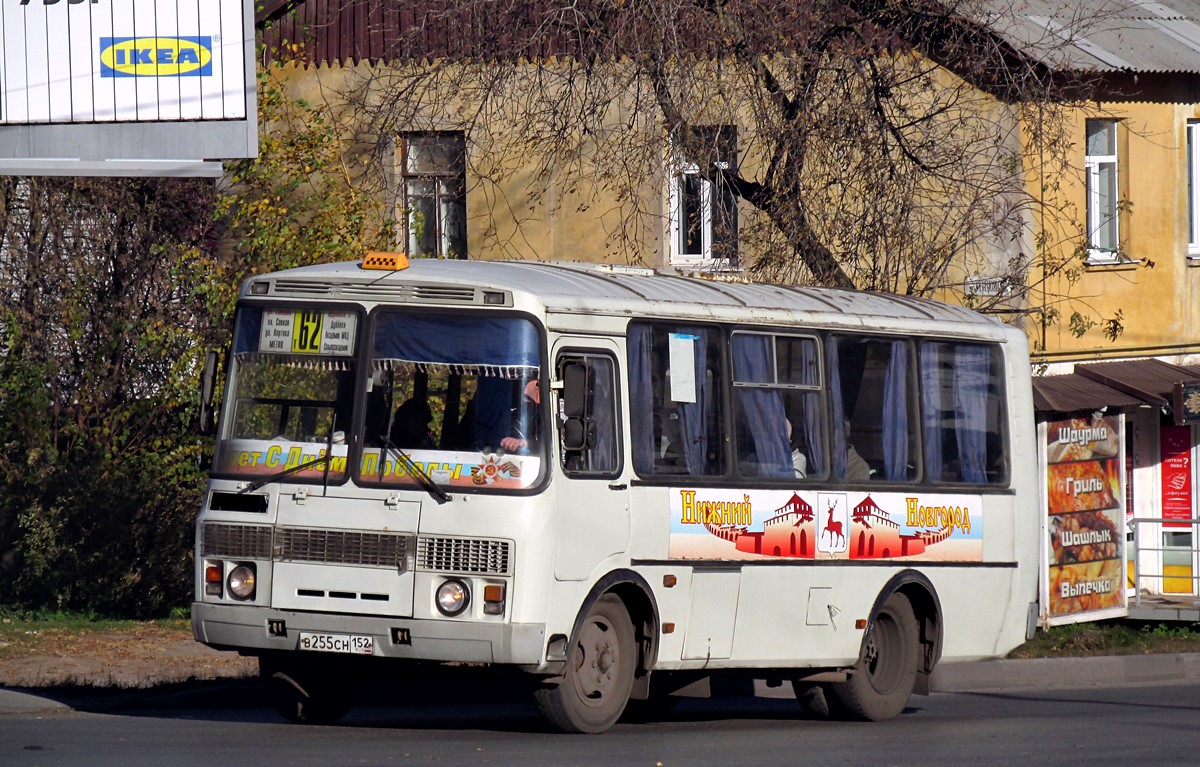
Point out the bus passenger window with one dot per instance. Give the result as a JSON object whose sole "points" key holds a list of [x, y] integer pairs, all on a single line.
{"points": [[962, 413], [675, 372], [778, 414], [874, 411]]}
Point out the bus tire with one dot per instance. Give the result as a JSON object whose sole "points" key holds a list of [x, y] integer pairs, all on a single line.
{"points": [[884, 677], [592, 693], [305, 694]]}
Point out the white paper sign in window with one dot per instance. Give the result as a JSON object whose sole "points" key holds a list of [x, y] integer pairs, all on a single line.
{"points": [[682, 350]]}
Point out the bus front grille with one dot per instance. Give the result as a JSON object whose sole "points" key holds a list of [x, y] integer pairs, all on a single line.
{"points": [[355, 547], [341, 547], [235, 541], [462, 555]]}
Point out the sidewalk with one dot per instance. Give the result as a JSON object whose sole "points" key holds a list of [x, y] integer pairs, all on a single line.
{"points": [[1065, 673]]}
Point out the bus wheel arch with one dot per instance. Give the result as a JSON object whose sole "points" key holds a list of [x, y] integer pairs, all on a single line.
{"points": [[900, 647], [612, 647]]}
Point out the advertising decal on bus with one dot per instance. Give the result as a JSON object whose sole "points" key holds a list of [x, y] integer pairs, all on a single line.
{"points": [[480, 470], [753, 524]]}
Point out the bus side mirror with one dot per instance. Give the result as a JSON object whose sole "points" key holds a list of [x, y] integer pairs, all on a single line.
{"points": [[577, 427], [575, 390], [208, 421]]}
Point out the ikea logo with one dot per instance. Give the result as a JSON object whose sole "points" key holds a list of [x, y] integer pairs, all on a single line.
{"points": [[156, 56]]}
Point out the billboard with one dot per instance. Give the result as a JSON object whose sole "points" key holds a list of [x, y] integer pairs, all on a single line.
{"points": [[1086, 523], [118, 82]]}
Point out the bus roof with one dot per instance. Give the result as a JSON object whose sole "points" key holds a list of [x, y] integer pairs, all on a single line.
{"points": [[617, 290]]}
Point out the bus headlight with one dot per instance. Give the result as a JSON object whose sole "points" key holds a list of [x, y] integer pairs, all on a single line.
{"points": [[241, 582], [452, 598]]}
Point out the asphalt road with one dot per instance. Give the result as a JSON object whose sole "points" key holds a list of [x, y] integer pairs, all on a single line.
{"points": [[226, 724]]}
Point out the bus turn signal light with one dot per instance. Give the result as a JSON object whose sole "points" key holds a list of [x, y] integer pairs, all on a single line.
{"points": [[493, 599], [212, 580]]}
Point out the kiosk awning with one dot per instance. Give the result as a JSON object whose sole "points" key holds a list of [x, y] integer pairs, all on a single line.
{"points": [[1130, 383]]}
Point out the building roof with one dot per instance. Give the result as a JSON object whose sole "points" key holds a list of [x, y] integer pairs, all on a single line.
{"points": [[1102, 35]]}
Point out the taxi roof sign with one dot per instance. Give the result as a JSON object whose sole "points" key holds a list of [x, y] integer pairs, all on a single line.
{"points": [[393, 262]]}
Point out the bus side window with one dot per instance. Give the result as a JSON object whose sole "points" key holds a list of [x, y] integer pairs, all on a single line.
{"points": [[587, 415], [675, 376]]}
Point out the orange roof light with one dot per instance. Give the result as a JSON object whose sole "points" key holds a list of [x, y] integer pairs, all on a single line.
{"points": [[391, 262]]}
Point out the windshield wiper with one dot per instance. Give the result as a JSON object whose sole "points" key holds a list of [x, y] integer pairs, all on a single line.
{"points": [[287, 473], [414, 468], [326, 459]]}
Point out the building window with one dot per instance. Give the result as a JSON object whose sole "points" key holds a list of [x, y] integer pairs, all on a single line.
{"points": [[703, 207], [1102, 203], [434, 198], [1193, 177]]}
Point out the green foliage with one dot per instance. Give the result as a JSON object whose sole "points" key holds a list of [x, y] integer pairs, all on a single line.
{"points": [[297, 203], [113, 290], [1116, 637], [98, 476]]}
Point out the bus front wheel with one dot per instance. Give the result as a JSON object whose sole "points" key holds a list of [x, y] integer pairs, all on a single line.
{"points": [[306, 693], [884, 677], [592, 693]]}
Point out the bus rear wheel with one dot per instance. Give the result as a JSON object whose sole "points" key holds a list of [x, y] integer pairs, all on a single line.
{"points": [[884, 677], [593, 692]]}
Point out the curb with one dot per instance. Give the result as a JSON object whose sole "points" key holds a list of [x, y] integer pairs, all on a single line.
{"points": [[1066, 673]]}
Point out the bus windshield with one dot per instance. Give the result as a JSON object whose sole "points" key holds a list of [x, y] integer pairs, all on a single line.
{"points": [[459, 396], [293, 374]]}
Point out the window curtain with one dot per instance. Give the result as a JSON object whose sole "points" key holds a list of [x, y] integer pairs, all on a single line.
{"points": [[971, 364], [838, 410], [895, 413], [763, 408], [641, 398], [815, 446], [931, 411], [692, 425]]}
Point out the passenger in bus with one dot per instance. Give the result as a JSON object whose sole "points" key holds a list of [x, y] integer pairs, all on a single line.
{"points": [[799, 461], [528, 414], [857, 469], [410, 426]]}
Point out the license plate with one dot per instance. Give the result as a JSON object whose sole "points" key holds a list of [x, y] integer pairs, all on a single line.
{"points": [[343, 643]]}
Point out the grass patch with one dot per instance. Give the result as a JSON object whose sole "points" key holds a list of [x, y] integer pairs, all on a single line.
{"points": [[1110, 638], [34, 632]]}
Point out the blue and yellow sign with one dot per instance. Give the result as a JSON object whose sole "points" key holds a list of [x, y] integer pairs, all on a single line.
{"points": [[156, 56]]}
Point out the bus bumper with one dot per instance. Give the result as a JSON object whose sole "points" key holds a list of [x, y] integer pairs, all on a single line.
{"points": [[255, 630]]}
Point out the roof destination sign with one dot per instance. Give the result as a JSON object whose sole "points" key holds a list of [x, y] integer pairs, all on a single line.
{"points": [[89, 61]]}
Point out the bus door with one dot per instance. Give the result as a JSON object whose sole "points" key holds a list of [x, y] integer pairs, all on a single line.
{"points": [[591, 493]]}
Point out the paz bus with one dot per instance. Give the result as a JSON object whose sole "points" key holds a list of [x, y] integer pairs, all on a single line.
{"points": [[621, 481]]}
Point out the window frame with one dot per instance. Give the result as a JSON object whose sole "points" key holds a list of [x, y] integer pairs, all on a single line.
{"points": [[1098, 215], [722, 137], [1192, 141], [574, 353], [818, 388], [443, 242], [717, 402]]}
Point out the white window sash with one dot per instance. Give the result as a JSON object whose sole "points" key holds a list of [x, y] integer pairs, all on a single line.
{"points": [[1099, 219], [1192, 137]]}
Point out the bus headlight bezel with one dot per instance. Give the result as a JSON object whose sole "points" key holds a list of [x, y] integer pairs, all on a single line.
{"points": [[452, 597], [242, 582]]}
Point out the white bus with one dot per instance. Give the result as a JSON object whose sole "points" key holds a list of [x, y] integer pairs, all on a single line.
{"points": [[619, 481]]}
